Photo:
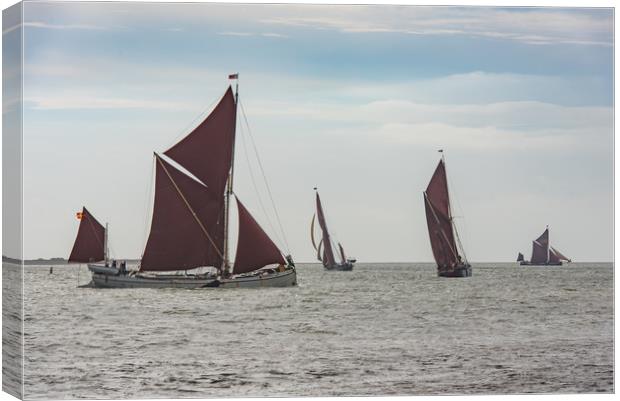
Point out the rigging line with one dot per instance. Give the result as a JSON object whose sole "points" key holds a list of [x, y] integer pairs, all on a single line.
{"points": [[265, 178], [190, 208], [260, 200]]}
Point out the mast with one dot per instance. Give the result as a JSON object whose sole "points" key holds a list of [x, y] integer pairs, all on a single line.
{"points": [[548, 244], [229, 187], [105, 244]]}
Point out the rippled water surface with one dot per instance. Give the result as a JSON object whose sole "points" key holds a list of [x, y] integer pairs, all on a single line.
{"points": [[383, 329]]}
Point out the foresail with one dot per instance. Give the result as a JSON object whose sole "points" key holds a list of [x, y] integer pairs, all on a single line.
{"points": [[342, 255], [207, 151], [312, 232], [186, 228], [90, 241], [559, 255], [254, 248], [318, 250]]}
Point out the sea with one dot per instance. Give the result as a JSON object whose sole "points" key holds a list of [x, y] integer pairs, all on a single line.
{"points": [[381, 329]]}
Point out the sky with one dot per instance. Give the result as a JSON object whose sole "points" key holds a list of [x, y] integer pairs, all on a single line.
{"points": [[355, 100]]}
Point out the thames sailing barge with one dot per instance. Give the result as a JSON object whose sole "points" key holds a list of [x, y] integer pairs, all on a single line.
{"points": [[324, 249], [543, 254], [190, 221], [441, 229]]}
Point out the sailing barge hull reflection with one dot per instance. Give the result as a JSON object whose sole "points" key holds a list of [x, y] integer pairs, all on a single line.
{"points": [[461, 271], [526, 263], [287, 278], [344, 267]]}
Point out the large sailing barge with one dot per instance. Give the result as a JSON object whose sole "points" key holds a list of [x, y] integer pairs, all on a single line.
{"points": [[441, 229], [190, 221], [324, 248], [543, 254]]}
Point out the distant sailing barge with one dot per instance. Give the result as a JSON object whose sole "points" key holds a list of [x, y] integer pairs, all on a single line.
{"points": [[441, 229], [190, 222], [542, 253], [324, 250]]}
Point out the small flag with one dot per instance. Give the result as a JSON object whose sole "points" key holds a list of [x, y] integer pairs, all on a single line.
{"points": [[440, 151], [79, 215], [233, 76]]}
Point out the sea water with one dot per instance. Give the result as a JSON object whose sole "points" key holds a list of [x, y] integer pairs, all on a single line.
{"points": [[382, 329]]}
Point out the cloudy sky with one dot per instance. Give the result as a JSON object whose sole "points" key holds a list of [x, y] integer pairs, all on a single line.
{"points": [[353, 99]]}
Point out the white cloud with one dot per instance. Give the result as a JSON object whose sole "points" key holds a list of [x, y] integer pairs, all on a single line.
{"points": [[66, 101], [264, 34], [538, 27], [45, 25]]}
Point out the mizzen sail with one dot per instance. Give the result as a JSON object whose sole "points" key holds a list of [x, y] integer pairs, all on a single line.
{"points": [[254, 248], [90, 241]]}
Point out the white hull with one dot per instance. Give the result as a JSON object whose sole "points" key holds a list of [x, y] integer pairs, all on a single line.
{"points": [[287, 278]]}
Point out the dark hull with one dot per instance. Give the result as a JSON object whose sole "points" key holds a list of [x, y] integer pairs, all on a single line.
{"points": [[525, 263], [343, 267], [459, 271]]}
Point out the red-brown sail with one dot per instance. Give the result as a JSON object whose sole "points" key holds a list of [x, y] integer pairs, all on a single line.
{"points": [[90, 241], [344, 258], [254, 248], [553, 258], [186, 226], [207, 151], [540, 248], [559, 255], [438, 219], [328, 253]]}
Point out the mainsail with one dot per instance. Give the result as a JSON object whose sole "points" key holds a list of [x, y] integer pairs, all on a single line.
{"points": [[185, 225], [328, 253], [190, 216], [439, 219], [89, 245], [540, 248]]}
